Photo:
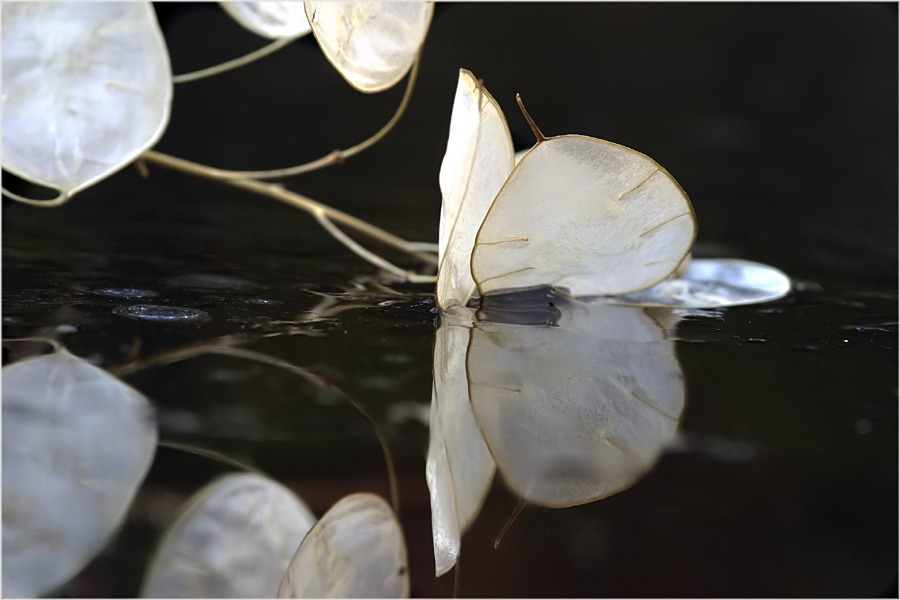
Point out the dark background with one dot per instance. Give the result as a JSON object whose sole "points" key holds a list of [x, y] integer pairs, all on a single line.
{"points": [[778, 119]]}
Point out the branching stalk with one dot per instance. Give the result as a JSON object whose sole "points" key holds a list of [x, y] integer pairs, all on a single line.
{"points": [[294, 199]]}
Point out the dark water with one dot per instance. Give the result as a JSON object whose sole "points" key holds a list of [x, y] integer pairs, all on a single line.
{"points": [[778, 120]]}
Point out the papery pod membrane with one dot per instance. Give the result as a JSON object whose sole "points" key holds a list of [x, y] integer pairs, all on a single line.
{"points": [[478, 160], [459, 468], [712, 283], [270, 19], [87, 87], [356, 550], [371, 44], [578, 411], [233, 539], [584, 215], [77, 443]]}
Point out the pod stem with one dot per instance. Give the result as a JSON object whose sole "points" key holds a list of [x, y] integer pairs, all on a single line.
{"points": [[59, 200], [534, 128], [235, 62], [515, 514]]}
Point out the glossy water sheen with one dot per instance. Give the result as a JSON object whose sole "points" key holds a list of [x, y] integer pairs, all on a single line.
{"points": [[778, 120]]}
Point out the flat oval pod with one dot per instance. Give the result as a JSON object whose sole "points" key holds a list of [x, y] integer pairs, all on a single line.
{"points": [[270, 19], [233, 539], [576, 412], [371, 44], [87, 87], [478, 160], [356, 550], [77, 443], [585, 215], [713, 283], [459, 468]]}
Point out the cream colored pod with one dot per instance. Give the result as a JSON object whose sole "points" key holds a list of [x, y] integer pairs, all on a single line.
{"points": [[356, 550], [77, 443], [478, 160], [577, 213], [371, 44], [583, 215], [87, 87]]}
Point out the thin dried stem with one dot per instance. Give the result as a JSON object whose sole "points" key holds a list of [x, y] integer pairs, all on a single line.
{"points": [[167, 358], [234, 63], [357, 249], [61, 199], [515, 514], [335, 157], [534, 128], [57, 347], [226, 347], [277, 192], [424, 246], [212, 455], [407, 94], [283, 364]]}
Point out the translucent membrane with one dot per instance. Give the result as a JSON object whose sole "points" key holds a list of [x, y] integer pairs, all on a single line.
{"points": [[478, 160], [270, 19], [587, 215], [371, 44], [86, 86]]}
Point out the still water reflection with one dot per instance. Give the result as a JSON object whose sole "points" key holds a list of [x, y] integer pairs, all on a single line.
{"points": [[308, 439], [572, 401], [77, 443], [234, 539]]}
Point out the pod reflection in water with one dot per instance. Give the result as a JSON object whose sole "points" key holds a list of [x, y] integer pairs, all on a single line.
{"points": [[356, 550], [576, 411], [234, 539], [77, 443], [459, 468], [575, 400]]}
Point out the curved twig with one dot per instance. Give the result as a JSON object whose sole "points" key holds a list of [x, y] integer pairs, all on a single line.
{"points": [[357, 249], [294, 199], [212, 455], [229, 350], [235, 62], [61, 199], [332, 158]]}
